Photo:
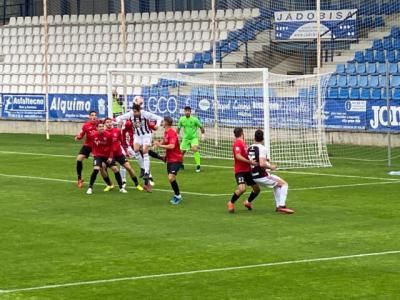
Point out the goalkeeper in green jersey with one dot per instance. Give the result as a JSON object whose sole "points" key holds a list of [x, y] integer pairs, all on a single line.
{"points": [[190, 141]]}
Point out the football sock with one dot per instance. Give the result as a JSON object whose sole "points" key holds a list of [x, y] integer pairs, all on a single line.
{"points": [[135, 180], [139, 158], [93, 178], [155, 155], [196, 156], [252, 196], [107, 180], [175, 187], [283, 195], [79, 167], [146, 163], [234, 198], [276, 195], [119, 179], [122, 170]]}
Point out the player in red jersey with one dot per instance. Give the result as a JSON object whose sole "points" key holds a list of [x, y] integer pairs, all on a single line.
{"points": [[103, 153], [243, 173], [87, 129], [173, 156], [119, 154]]}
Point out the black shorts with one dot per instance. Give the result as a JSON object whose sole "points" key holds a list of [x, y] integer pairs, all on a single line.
{"points": [[174, 167], [85, 150], [99, 161], [245, 178], [121, 159]]}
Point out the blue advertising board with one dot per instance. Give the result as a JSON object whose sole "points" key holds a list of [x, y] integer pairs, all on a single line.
{"points": [[378, 116], [350, 114], [23, 106], [76, 107], [302, 25]]}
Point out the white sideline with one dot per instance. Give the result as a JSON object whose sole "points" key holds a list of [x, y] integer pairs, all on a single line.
{"points": [[132, 278], [213, 195], [212, 166]]}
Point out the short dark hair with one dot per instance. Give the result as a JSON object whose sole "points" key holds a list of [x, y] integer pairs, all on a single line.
{"points": [[238, 131], [168, 120], [187, 108], [92, 111], [136, 107], [259, 135], [104, 121]]}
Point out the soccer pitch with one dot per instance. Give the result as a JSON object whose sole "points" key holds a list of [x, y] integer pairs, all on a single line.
{"points": [[343, 242]]}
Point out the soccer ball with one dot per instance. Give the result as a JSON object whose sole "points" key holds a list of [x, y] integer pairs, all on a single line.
{"points": [[138, 100]]}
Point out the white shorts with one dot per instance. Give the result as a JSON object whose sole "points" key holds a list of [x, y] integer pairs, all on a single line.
{"points": [[143, 140], [269, 181]]}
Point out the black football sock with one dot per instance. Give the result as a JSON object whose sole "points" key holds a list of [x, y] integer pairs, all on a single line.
{"points": [[155, 155], [252, 196], [135, 180], [107, 180], [93, 178], [119, 179], [79, 167], [234, 198], [175, 187]]}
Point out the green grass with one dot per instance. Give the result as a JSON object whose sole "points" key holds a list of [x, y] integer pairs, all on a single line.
{"points": [[53, 233]]}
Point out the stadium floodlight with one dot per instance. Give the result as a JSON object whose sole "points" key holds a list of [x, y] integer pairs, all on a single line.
{"points": [[287, 107]]}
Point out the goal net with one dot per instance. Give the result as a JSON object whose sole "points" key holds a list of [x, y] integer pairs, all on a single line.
{"points": [[286, 107]]}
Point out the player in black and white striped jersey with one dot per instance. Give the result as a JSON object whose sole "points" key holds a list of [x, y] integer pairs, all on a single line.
{"points": [[258, 153], [142, 136]]}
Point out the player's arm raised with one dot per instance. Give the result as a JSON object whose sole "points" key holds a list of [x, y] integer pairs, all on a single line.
{"points": [[151, 116]]}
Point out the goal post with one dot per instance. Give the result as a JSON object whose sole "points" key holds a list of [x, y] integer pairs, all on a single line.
{"points": [[285, 107]]}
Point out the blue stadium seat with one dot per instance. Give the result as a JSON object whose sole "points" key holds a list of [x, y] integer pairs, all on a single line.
{"points": [[181, 66], [163, 91], [332, 80], [342, 81], [233, 46], [395, 32], [154, 92], [351, 68], [377, 44], [250, 34], [368, 22], [340, 69], [198, 65], [395, 81], [365, 94], [363, 80], [391, 56], [371, 68], [396, 94], [344, 93], [393, 68], [380, 56], [396, 43], [386, 8], [354, 94], [376, 94], [352, 81], [190, 65], [361, 68], [198, 58], [207, 57], [388, 43], [374, 80], [359, 57], [369, 56], [333, 93], [382, 81], [379, 21], [381, 69]]}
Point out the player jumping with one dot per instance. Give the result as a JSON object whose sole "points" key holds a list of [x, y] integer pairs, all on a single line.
{"points": [[242, 171], [258, 153], [142, 138], [173, 156], [190, 140], [87, 129]]}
